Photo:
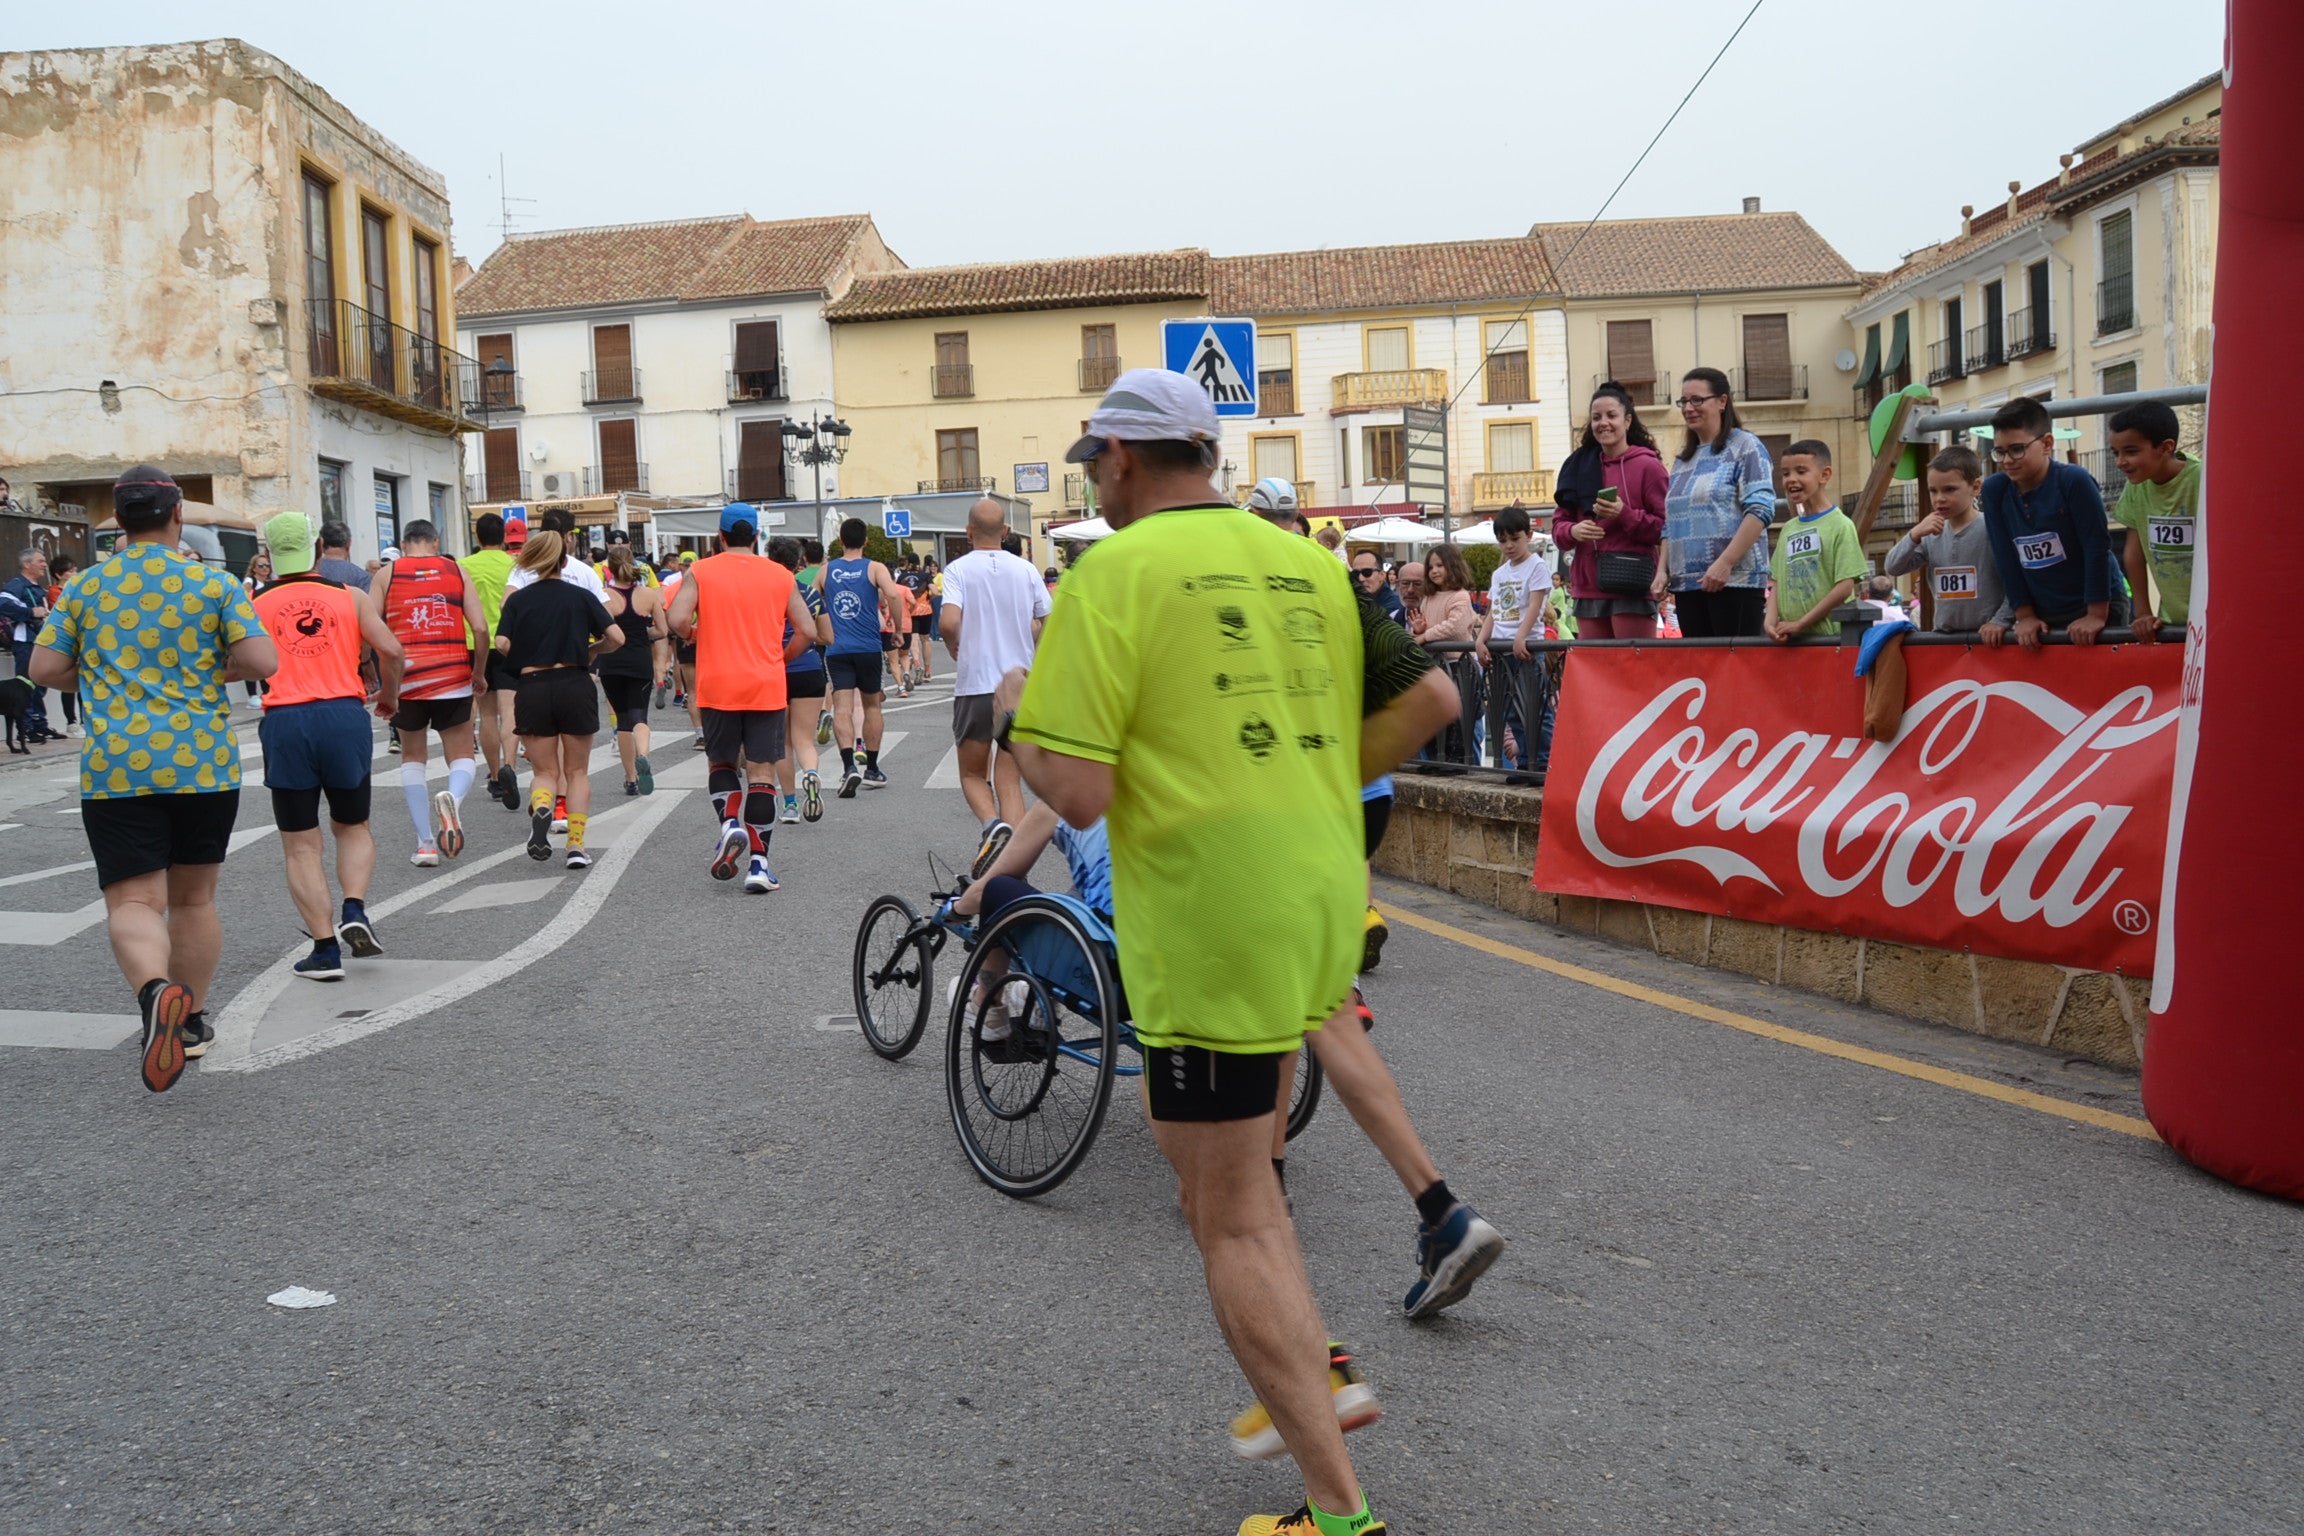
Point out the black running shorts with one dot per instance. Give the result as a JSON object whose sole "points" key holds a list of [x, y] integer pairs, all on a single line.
{"points": [[432, 714], [855, 671], [135, 835], [756, 735], [559, 702], [804, 685], [1375, 816], [1191, 1082]]}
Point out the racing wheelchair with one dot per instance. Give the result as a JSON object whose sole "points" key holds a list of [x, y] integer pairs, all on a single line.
{"points": [[1028, 1106]]}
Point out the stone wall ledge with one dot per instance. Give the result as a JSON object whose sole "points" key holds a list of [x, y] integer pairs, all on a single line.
{"points": [[1476, 838]]}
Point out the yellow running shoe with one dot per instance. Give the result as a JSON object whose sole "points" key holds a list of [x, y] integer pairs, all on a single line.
{"points": [[1298, 1524], [1372, 938], [1256, 1438]]}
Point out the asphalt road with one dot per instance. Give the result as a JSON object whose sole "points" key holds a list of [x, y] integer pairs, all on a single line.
{"points": [[626, 1239]]}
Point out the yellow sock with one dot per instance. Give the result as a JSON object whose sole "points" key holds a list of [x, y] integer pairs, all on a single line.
{"points": [[539, 799], [576, 820]]}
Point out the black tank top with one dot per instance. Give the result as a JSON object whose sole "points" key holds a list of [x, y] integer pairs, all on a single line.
{"points": [[632, 658]]}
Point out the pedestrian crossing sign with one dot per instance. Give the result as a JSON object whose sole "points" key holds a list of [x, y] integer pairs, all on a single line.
{"points": [[1219, 356]]}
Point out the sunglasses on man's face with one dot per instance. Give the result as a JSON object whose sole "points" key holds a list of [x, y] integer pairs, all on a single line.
{"points": [[1366, 570]]}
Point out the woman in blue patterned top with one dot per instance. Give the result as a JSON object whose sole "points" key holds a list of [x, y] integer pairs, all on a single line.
{"points": [[1716, 514]]}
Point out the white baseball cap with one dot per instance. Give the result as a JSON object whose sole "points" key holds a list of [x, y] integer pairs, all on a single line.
{"points": [[1148, 405], [1272, 494]]}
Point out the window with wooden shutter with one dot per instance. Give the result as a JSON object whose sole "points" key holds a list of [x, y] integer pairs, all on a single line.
{"points": [[500, 459], [613, 377], [954, 378], [2116, 265], [376, 289], [759, 362], [1767, 357], [320, 278], [1384, 450], [1276, 374], [1632, 359], [620, 455], [501, 390], [430, 386], [1387, 348], [1506, 345], [1276, 456], [1099, 356], [1511, 447], [957, 465], [760, 461]]}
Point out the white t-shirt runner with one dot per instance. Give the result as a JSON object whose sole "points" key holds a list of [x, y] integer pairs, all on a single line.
{"points": [[998, 595], [577, 573], [1517, 593]]}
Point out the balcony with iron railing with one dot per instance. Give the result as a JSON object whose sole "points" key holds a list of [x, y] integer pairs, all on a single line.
{"points": [[1655, 391], [1387, 389], [363, 359], [611, 386], [1945, 362], [2106, 470], [604, 480], [758, 482], [952, 381], [958, 483], [500, 393], [1495, 489], [1097, 373], [755, 384], [1984, 346], [1762, 386], [2115, 306], [1075, 492], [2027, 336], [496, 488]]}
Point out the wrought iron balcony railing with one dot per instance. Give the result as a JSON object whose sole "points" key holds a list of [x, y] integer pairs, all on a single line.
{"points": [[362, 358], [1758, 386], [611, 386]]}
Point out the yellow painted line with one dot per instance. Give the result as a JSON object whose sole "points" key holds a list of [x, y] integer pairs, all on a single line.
{"points": [[1985, 1088]]}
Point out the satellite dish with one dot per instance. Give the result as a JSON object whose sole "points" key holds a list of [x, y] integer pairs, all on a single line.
{"points": [[1845, 361], [537, 454]]}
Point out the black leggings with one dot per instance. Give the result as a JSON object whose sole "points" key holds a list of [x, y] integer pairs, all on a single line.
{"points": [[1731, 611], [628, 697]]}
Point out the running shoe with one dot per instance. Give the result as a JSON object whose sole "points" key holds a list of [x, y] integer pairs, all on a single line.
{"points": [[450, 822], [735, 842], [1256, 1438], [700, 744], [356, 933], [426, 856], [759, 879], [540, 833], [165, 1006], [824, 728], [811, 797], [559, 813], [1372, 937], [393, 746], [197, 1033], [1452, 1255], [848, 783], [325, 963], [791, 816], [508, 787], [631, 790], [579, 859], [990, 847], [875, 779], [1299, 1524], [643, 775], [663, 692]]}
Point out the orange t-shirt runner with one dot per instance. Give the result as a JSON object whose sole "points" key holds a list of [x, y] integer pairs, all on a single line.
{"points": [[316, 626], [741, 603]]}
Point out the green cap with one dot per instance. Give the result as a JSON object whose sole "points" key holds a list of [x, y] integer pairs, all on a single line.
{"points": [[289, 537]]}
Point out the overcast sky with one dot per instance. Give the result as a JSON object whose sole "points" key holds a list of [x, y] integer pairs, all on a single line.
{"points": [[989, 132]]}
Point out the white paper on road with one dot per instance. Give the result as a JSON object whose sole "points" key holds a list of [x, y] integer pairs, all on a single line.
{"points": [[298, 1296]]}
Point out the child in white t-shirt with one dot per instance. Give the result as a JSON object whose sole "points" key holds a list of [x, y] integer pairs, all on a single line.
{"points": [[1517, 594]]}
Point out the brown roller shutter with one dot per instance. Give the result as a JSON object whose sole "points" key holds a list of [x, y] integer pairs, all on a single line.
{"points": [[612, 362], [760, 461], [1767, 357], [501, 458], [619, 456], [1631, 353], [756, 347], [499, 388]]}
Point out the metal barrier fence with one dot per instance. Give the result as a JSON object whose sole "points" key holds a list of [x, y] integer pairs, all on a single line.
{"points": [[1498, 697]]}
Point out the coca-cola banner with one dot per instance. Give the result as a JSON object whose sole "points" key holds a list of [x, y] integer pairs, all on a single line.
{"points": [[2021, 810]]}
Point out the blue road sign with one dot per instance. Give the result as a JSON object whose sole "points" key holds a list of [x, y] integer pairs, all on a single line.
{"points": [[1219, 356], [896, 522]]}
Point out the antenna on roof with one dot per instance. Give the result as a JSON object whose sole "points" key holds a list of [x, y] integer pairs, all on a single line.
{"points": [[504, 202]]}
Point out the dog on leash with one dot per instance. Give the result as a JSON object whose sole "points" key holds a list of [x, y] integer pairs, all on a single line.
{"points": [[15, 702]]}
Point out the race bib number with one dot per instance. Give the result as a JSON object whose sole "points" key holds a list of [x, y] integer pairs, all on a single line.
{"points": [[2170, 533], [2040, 551], [1802, 545], [1955, 583]]}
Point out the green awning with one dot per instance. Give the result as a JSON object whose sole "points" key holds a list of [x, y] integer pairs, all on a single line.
{"points": [[1901, 346], [1871, 369]]}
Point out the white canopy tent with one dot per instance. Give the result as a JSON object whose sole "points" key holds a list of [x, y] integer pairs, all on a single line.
{"points": [[1392, 530], [1477, 533], [1086, 531]]}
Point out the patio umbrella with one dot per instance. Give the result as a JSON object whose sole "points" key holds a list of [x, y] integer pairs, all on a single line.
{"points": [[1477, 533], [1392, 530], [1086, 531]]}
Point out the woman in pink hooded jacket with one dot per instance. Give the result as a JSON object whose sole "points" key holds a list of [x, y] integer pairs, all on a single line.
{"points": [[1617, 454]]}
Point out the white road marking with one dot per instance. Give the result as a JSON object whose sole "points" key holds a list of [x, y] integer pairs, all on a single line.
{"points": [[240, 840], [591, 893], [504, 893], [45, 928], [9, 826], [947, 774], [67, 1031]]}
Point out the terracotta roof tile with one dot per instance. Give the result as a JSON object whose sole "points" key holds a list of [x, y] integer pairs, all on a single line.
{"points": [[992, 287], [726, 257], [1709, 253], [1380, 277]]}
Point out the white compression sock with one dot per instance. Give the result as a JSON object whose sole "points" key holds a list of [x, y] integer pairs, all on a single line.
{"points": [[419, 804], [460, 778]]}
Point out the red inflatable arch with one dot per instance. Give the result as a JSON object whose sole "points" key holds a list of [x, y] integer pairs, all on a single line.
{"points": [[2224, 1059]]}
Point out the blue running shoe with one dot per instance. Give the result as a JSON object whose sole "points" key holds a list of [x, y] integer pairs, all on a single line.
{"points": [[325, 963], [1452, 1255], [735, 842], [760, 879]]}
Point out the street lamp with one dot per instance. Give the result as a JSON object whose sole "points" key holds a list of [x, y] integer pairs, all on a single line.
{"points": [[818, 443]]}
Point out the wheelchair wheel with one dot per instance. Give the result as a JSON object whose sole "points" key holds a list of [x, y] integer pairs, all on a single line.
{"points": [[1027, 1108], [893, 974], [1304, 1098]]}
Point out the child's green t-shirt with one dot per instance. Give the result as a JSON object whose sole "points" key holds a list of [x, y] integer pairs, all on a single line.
{"points": [[2167, 519], [1815, 552]]}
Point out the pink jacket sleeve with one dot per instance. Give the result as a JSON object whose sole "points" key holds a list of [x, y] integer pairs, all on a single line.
{"points": [[1642, 519]]}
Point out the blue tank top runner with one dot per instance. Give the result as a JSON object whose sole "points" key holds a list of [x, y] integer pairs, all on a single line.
{"points": [[854, 605]]}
